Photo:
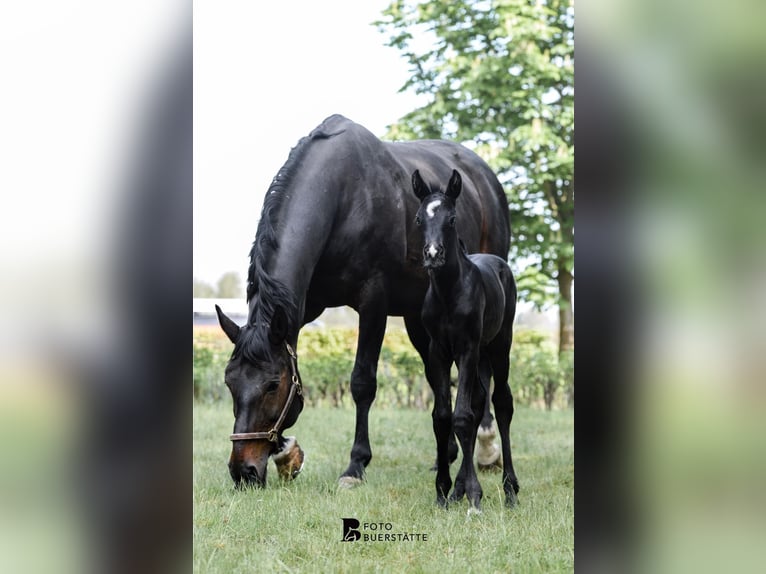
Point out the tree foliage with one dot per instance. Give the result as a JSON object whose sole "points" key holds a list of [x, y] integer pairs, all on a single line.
{"points": [[230, 286], [202, 289], [498, 75]]}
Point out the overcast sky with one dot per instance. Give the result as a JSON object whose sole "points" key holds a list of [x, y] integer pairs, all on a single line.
{"points": [[266, 74]]}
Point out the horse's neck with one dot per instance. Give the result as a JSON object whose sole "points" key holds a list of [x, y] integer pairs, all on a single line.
{"points": [[303, 229], [447, 280]]}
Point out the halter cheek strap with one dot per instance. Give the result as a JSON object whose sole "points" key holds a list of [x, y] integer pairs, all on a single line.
{"points": [[296, 388]]}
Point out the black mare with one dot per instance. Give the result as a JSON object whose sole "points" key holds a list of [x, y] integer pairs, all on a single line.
{"points": [[338, 228], [468, 312]]}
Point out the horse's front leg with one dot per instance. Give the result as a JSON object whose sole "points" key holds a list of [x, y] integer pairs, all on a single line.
{"points": [[372, 327], [468, 411], [421, 341], [487, 453], [438, 374]]}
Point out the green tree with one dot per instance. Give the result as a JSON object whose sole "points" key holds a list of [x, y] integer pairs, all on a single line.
{"points": [[230, 286], [202, 289], [499, 76]]}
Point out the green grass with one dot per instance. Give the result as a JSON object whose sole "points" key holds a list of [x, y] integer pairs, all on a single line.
{"points": [[297, 527]]}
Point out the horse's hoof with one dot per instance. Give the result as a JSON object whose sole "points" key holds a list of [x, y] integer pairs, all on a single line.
{"points": [[442, 503], [349, 482], [511, 500], [289, 460], [496, 466], [488, 454]]}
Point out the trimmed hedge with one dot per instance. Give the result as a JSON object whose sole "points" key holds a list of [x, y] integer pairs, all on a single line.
{"points": [[538, 377]]}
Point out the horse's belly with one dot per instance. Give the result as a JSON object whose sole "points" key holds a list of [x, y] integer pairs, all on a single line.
{"points": [[403, 295]]}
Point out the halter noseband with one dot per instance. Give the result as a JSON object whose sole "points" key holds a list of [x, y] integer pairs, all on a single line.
{"points": [[295, 388]]}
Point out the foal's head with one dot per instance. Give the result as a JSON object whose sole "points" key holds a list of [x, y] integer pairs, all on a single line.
{"points": [[436, 218]]}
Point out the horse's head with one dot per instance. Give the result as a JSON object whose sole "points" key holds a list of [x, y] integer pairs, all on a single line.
{"points": [[436, 218], [266, 390]]}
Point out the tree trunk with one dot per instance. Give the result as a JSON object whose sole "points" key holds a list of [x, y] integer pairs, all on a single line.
{"points": [[566, 315]]}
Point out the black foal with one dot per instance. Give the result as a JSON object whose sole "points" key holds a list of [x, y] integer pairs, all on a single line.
{"points": [[468, 312]]}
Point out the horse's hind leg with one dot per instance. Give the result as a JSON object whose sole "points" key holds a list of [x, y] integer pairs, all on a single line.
{"points": [[487, 418], [488, 453], [503, 401], [420, 340], [485, 372], [372, 327]]}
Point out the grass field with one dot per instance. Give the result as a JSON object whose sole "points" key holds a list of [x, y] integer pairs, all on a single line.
{"points": [[298, 527]]}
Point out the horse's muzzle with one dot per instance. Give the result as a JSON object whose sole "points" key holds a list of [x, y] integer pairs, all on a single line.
{"points": [[247, 475], [433, 256], [249, 462]]}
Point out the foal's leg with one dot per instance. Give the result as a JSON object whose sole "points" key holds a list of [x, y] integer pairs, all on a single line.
{"points": [[488, 453], [503, 401], [468, 411], [438, 372], [372, 327], [421, 341], [484, 372], [486, 419]]}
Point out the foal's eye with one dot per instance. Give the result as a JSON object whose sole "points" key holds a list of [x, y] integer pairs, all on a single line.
{"points": [[452, 221], [272, 386], [417, 220]]}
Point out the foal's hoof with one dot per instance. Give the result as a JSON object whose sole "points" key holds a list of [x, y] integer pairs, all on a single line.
{"points": [[349, 482], [289, 460]]}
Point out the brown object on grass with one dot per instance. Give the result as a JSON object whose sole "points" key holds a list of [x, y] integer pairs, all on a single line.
{"points": [[289, 460]]}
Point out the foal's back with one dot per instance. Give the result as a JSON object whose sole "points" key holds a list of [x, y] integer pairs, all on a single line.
{"points": [[499, 293]]}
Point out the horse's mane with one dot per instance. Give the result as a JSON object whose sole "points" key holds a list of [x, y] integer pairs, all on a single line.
{"points": [[268, 292]]}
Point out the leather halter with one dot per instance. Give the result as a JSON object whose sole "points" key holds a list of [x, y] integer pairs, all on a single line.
{"points": [[296, 388]]}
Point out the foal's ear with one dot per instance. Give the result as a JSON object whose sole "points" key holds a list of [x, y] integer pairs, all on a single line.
{"points": [[278, 327], [455, 185], [229, 327], [419, 186]]}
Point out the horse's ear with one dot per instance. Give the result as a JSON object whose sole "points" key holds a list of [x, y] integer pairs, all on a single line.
{"points": [[455, 185], [419, 186], [278, 327], [229, 327]]}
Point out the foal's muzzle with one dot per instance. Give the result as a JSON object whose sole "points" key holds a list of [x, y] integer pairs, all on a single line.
{"points": [[433, 255]]}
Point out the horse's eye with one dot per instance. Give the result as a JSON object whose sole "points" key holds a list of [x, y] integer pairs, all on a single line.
{"points": [[452, 221], [417, 220], [272, 386]]}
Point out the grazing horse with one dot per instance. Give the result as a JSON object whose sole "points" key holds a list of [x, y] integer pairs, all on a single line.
{"points": [[468, 312], [337, 228]]}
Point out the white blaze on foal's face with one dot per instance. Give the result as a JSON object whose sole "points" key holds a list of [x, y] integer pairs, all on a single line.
{"points": [[431, 207], [432, 251]]}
